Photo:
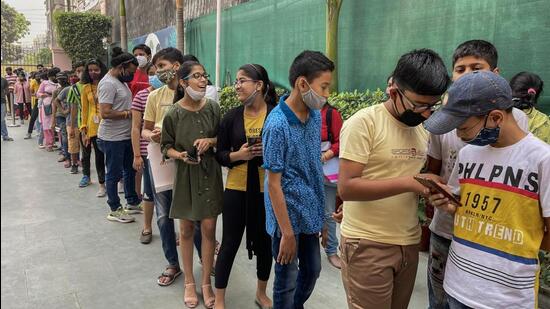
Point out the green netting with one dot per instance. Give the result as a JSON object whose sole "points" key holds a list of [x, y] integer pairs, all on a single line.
{"points": [[373, 34]]}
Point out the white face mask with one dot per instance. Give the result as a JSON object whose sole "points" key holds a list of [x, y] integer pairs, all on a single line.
{"points": [[142, 61], [195, 95], [312, 99]]}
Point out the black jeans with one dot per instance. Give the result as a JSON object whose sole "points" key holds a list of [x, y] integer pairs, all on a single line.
{"points": [[99, 159], [34, 116], [234, 223]]}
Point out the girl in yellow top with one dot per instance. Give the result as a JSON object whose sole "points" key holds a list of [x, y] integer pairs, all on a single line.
{"points": [[93, 73], [239, 148]]}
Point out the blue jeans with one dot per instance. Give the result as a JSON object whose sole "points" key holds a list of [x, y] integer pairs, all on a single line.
{"points": [[455, 304], [119, 158], [330, 224], [62, 124], [295, 282], [4, 126], [163, 204], [437, 260]]}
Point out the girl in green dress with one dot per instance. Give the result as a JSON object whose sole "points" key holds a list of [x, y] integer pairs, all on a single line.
{"points": [[188, 135]]}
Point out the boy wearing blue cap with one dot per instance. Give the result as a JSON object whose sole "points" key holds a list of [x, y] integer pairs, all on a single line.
{"points": [[503, 179]]}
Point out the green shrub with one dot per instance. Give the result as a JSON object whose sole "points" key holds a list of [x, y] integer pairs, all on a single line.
{"points": [[346, 102], [544, 258]]}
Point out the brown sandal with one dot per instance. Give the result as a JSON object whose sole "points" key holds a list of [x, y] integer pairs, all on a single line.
{"points": [[171, 276], [190, 302]]}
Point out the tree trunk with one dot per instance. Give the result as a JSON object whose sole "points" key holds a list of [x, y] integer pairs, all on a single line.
{"points": [[123, 31], [180, 34], [333, 13]]}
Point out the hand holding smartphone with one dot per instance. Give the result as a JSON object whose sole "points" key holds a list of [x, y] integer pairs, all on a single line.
{"points": [[432, 185], [192, 155]]}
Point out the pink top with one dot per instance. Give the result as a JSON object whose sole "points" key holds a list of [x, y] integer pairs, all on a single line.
{"points": [[45, 91], [22, 92]]}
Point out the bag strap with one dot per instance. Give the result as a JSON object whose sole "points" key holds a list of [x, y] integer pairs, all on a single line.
{"points": [[329, 123]]}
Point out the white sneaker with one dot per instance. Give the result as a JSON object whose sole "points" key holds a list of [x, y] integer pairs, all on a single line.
{"points": [[120, 216], [101, 192]]}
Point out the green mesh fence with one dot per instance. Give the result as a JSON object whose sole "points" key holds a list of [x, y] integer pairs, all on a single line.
{"points": [[373, 34]]}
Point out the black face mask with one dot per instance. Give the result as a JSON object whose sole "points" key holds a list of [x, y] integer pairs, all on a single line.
{"points": [[408, 117], [126, 77]]}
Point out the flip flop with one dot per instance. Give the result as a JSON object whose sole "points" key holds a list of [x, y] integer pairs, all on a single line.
{"points": [[172, 277]]}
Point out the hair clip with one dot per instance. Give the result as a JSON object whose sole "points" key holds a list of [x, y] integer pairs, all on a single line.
{"points": [[531, 91]]}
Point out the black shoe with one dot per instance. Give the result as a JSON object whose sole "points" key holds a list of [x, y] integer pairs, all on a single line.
{"points": [[74, 169]]}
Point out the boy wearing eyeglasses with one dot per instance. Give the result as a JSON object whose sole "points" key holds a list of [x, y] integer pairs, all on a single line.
{"points": [[381, 148]]}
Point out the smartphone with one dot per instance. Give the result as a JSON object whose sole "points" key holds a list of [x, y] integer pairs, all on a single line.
{"points": [[192, 154], [429, 183], [253, 140]]}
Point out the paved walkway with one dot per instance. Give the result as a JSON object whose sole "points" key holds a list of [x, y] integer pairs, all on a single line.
{"points": [[59, 251]]}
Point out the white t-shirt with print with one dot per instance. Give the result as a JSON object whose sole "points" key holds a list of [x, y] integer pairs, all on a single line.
{"points": [[445, 148], [505, 192]]}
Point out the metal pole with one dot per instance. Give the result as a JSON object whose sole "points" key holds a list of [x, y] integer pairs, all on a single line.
{"points": [[12, 102], [218, 42]]}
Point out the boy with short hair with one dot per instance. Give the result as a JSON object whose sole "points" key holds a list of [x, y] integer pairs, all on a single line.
{"points": [[73, 98], [503, 179], [470, 56], [294, 199], [381, 148]]}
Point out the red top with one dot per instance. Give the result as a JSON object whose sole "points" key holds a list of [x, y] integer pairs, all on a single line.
{"points": [[140, 82], [336, 127]]}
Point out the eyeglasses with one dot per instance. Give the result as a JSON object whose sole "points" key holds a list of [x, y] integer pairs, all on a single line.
{"points": [[197, 76], [240, 82], [418, 107]]}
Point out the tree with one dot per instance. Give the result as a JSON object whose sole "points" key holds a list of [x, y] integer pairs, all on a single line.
{"points": [[81, 34], [333, 14], [123, 30], [14, 27]]}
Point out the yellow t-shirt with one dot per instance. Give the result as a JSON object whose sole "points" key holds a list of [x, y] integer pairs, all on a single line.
{"points": [[539, 124], [237, 176], [158, 102], [34, 88], [388, 149]]}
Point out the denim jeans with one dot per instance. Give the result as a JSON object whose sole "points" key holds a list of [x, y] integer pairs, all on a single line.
{"points": [[163, 204], [62, 124], [330, 224], [437, 260], [295, 282], [119, 158], [455, 304], [3, 120]]}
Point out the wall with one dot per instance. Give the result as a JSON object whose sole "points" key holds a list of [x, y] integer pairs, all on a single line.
{"points": [[373, 34]]}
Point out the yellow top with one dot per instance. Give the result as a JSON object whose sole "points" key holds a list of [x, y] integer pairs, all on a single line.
{"points": [[388, 149], [33, 84], [539, 124], [158, 102], [90, 110], [237, 176]]}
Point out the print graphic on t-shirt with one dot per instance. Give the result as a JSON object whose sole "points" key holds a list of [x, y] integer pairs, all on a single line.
{"points": [[408, 153], [501, 211]]}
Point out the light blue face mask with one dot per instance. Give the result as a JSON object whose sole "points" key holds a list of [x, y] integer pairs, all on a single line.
{"points": [[155, 82], [486, 136]]}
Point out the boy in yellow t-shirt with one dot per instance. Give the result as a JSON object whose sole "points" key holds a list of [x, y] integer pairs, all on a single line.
{"points": [[381, 148]]}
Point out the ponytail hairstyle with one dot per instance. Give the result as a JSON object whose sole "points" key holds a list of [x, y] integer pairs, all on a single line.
{"points": [[185, 69], [121, 57], [259, 73], [526, 89]]}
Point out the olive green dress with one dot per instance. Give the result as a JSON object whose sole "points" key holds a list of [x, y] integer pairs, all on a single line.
{"points": [[198, 189]]}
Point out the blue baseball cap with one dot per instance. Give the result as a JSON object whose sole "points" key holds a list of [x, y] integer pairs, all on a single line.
{"points": [[474, 94]]}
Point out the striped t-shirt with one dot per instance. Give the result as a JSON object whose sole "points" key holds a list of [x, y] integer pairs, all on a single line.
{"points": [[138, 104], [505, 193]]}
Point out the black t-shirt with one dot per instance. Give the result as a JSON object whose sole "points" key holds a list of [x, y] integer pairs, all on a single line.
{"points": [[4, 90]]}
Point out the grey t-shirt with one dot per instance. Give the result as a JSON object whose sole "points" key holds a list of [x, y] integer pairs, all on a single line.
{"points": [[62, 97], [112, 91]]}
